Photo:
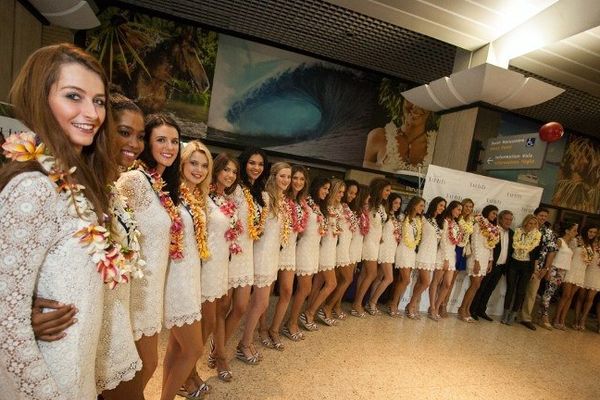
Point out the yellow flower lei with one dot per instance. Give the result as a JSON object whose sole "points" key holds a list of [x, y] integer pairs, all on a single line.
{"points": [[525, 242], [416, 227], [489, 231], [285, 215], [195, 202], [466, 226], [255, 225]]}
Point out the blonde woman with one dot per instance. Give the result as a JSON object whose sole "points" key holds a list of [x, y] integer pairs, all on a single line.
{"points": [[266, 255], [325, 281], [183, 299]]}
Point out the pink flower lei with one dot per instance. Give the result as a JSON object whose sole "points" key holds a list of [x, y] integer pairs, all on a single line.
{"points": [[350, 217], [228, 207], [365, 224], [455, 234], [397, 229], [299, 215], [334, 212], [320, 217]]}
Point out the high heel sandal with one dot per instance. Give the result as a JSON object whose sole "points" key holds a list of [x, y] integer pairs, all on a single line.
{"points": [[308, 325], [295, 337], [252, 359], [339, 315], [197, 394], [266, 340], [276, 341], [410, 314], [212, 361], [357, 314], [224, 375], [321, 316], [372, 309]]}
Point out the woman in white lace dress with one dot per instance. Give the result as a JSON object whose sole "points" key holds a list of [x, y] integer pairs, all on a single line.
{"points": [[266, 255], [287, 256], [248, 198], [60, 93], [183, 299], [224, 232], [412, 228], [325, 281], [426, 254], [591, 284], [390, 239], [446, 258], [159, 219], [307, 256], [345, 263], [379, 190]]}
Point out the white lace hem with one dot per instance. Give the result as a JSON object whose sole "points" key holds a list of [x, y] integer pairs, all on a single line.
{"points": [[387, 260], [326, 268], [210, 299], [590, 287], [150, 331], [241, 282], [122, 376], [425, 266], [287, 268], [305, 273], [264, 280], [183, 320]]}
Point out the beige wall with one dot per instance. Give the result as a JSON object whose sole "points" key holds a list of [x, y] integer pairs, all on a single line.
{"points": [[21, 34]]}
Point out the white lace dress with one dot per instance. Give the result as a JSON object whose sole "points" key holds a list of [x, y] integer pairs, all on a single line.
{"points": [[576, 274], [241, 266], [592, 274], [307, 248], [372, 240], [388, 246], [117, 359], [154, 223], [327, 252], [215, 270], [40, 257], [405, 256], [183, 293], [427, 252], [356, 245], [446, 251], [342, 251], [266, 250], [479, 252], [287, 255]]}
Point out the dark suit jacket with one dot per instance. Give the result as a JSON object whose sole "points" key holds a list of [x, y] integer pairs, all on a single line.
{"points": [[499, 247]]}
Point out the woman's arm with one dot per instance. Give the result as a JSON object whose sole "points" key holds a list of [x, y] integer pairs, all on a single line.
{"points": [[28, 223]]}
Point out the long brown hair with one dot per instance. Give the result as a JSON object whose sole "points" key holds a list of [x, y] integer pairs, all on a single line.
{"points": [[376, 190], [219, 164], [302, 193], [96, 166], [271, 185]]}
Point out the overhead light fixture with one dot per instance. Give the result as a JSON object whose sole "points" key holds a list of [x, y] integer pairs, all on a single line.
{"points": [[72, 14], [484, 83]]}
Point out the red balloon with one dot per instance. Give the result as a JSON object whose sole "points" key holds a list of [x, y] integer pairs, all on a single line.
{"points": [[551, 132]]}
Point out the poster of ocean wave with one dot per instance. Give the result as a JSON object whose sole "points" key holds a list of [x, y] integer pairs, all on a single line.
{"points": [[292, 103]]}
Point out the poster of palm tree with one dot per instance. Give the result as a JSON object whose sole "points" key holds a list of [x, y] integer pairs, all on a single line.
{"points": [[162, 65]]}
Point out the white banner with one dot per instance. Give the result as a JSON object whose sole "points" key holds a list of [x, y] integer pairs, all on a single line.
{"points": [[456, 185]]}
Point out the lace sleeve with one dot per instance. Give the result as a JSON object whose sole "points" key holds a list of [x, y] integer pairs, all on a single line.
{"points": [[477, 244], [135, 187], [28, 222], [445, 242]]}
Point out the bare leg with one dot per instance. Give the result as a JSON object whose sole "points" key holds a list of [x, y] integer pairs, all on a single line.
{"points": [[317, 284], [263, 322], [444, 305], [387, 274], [589, 301], [370, 272], [445, 286], [463, 310], [259, 302], [241, 298], [344, 277], [400, 288], [581, 295], [420, 286], [286, 284], [223, 306], [329, 286], [147, 347], [129, 390], [302, 290], [564, 303], [438, 276], [185, 348]]}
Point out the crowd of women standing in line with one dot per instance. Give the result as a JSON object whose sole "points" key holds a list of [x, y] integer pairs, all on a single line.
{"points": [[182, 242]]}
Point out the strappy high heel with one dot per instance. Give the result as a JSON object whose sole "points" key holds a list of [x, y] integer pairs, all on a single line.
{"points": [[252, 359]]}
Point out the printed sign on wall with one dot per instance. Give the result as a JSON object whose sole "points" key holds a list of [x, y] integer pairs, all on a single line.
{"points": [[515, 152]]}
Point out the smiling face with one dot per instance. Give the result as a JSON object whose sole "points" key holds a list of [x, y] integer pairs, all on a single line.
{"points": [[78, 103], [531, 225], [130, 137], [467, 209], [506, 221], [227, 175], [492, 215], [195, 169], [283, 178], [255, 167], [455, 213], [419, 208], [164, 146], [298, 182], [351, 193], [592, 233], [440, 208], [396, 204], [542, 217], [324, 191], [385, 193]]}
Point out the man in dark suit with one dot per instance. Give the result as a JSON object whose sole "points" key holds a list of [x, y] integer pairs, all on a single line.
{"points": [[502, 254]]}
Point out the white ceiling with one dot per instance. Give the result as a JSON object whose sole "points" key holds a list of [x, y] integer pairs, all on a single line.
{"points": [[471, 24]]}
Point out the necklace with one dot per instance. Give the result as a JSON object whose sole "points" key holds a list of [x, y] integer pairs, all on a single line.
{"points": [[285, 219], [350, 217], [299, 215], [397, 229], [176, 231], [333, 213], [257, 216], [114, 260], [415, 227], [489, 231], [364, 221], [229, 209], [588, 252], [194, 202], [320, 218], [455, 234]]}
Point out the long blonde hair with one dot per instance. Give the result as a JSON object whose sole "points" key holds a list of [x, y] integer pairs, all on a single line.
{"points": [[186, 154], [526, 220], [336, 185], [271, 186]]}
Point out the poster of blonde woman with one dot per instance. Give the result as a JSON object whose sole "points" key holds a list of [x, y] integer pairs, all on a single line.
{"points": [[407, 141], [578, 185]]}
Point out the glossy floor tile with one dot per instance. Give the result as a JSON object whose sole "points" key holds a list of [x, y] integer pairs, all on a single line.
{"points": [[384, 358]]}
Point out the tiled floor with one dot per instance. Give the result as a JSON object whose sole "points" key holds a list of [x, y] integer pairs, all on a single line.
{"points": [[384, 358]]}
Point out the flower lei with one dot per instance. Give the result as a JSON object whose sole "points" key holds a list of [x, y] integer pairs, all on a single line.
{"points": [[176, 230], [350, 217], [229, 209], [397, 229], [364, 222], [285, 218], [299, 215], [334, 212], [382, 214], [489, 231], [320, 218], [194, 202], [256, 216], [588, 252], [114, 261], [416, 227], [526, 242], [455, 233], [466, 228]]}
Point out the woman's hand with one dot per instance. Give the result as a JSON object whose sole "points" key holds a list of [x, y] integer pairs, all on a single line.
{"points": [[50, 326]]}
